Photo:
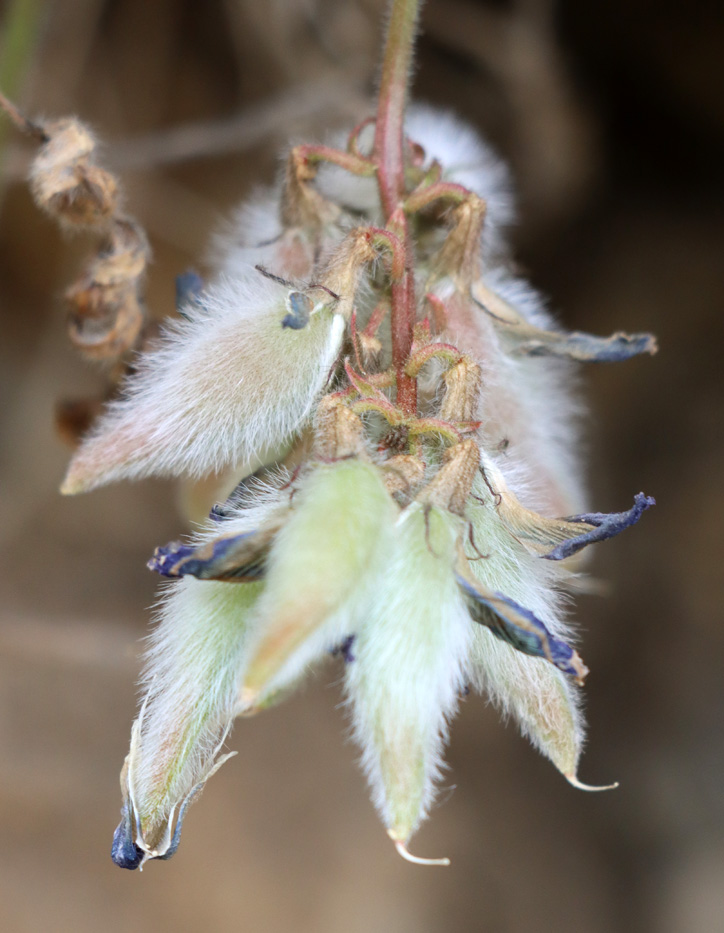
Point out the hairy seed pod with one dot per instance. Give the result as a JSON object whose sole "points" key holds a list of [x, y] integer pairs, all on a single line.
{"points": [[409, 668], [319, 566], [227, 384], [254, 234], [540, 698]]}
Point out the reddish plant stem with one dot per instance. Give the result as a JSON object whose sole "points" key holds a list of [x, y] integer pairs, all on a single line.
{"points": [[384, 238], [426, 195], [389, 127], [389, 155], [351, 162], [353, 138]]}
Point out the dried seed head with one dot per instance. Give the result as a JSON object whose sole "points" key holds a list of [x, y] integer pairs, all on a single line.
{"points": [[66, 182], [106, 313], [339, 432], [462, 384]]}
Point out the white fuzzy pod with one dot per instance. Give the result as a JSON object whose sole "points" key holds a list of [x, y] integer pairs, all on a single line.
{"points": [[221, 388], [319, 566], [193, 671], [542, 700], [546, 388], [191, 680], [254, 234], [526, 404], [408, 670]]}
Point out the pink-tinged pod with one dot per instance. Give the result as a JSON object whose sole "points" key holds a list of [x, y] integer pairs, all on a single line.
{"points": [[525, 406], [224, 386]]}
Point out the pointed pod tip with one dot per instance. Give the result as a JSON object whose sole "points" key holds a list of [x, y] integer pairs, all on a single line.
{"points": [[573, 780], [248, 701], [79, 479], [70, 487], [415, 859]]}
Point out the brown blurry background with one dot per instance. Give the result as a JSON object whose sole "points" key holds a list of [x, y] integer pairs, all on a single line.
{"points": [[612, 115]]}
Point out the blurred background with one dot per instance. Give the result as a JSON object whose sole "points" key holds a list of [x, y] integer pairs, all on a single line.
{"points": [[612, 116]]}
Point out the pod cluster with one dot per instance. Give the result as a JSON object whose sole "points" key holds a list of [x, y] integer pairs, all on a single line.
{"points": [[428, 549]]}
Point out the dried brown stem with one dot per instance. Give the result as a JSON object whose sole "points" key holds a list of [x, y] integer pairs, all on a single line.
{"points": [[21, 121]]}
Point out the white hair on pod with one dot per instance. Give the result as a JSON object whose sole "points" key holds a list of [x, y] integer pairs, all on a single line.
{"points": [[248, 236], [542, 700], [408, 669], [526, 403], [319, 569], [192, 676], [223, 386], [548, 388], [254, 235], [191, 679]]}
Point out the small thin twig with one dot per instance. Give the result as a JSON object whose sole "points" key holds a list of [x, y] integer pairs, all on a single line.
{"points": [[21, 121]]}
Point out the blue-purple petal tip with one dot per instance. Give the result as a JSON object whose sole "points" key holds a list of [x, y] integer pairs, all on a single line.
{"points": [[606, 525]]}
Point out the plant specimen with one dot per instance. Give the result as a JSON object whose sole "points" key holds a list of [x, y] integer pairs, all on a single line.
{"points": [[392, 403]]}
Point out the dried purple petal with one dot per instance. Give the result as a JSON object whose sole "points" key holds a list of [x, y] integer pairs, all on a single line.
{"points": [[240, 558], [587, 348], [519, 627], [606, 525], [300, 307]]}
